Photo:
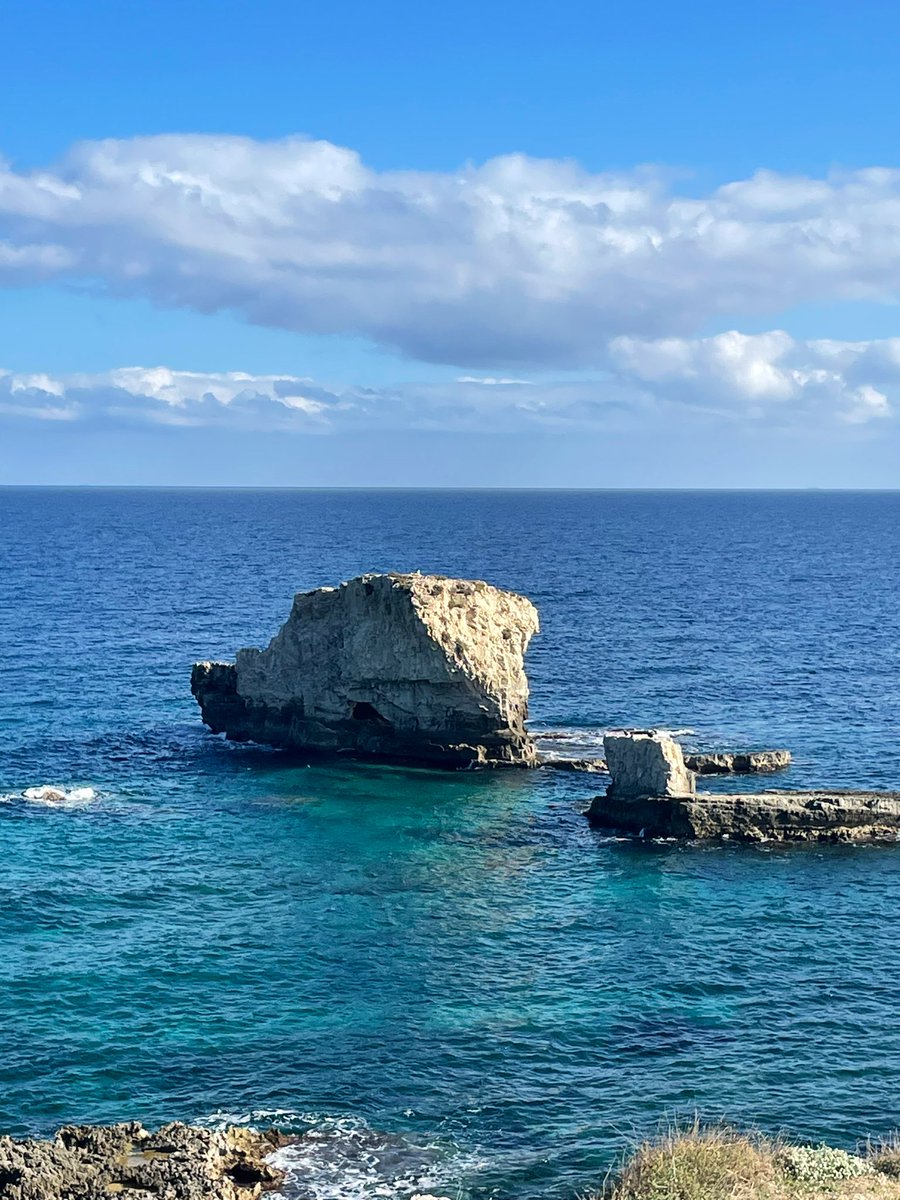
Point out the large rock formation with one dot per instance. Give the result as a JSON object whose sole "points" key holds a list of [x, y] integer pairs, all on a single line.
{"points": [[414, 668], [178, 1162], [652, 794]]}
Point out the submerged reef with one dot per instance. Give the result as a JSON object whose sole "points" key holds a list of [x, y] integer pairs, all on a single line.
{"points": [[407, 668]]}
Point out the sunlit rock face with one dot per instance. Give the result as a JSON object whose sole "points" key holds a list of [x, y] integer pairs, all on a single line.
{"points": [[416, 668], [645, 762]]}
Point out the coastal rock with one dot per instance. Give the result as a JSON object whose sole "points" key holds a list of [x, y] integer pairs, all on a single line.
{"points": [[416, 668], [595, 766], [780, 816], [178, 1162], [645, 762], [750, 762]]}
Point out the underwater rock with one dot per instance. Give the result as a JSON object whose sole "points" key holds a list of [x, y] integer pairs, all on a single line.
{"points": [[414, 668], [750, 762], [780, 816], [178, 1162]]}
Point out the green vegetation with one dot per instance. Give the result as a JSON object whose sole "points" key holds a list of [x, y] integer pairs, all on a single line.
{"points": [[698, 1162]]}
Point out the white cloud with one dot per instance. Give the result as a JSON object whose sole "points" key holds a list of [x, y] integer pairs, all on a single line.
{"points": [[731, 377], [518, 261]]}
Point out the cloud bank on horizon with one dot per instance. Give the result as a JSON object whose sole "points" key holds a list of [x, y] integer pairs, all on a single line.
{"points": [[515, 265], [768, 377]]}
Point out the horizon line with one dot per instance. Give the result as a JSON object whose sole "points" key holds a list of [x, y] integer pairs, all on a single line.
{"points": [[226, 487]]}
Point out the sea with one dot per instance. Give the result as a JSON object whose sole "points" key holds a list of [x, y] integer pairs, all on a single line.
{"points": [[444, 984]]}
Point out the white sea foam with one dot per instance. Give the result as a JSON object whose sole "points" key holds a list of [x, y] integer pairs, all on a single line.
{"points": [[52, 796], [580, 742], [343, 1158]]}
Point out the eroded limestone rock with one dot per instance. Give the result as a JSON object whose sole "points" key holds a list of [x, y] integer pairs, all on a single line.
{"points": [[178, 1162], [415, 668], [645, 762]]}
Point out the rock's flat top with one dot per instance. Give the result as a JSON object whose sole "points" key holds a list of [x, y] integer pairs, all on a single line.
{"points": [[178, 1162], [401, 666], [783, 816]]}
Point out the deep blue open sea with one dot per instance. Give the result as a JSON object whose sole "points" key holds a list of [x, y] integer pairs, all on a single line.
{"points": [[449, 980]]}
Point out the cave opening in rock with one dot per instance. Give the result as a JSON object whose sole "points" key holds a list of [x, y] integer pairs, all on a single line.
{"points": [[364, 711]]}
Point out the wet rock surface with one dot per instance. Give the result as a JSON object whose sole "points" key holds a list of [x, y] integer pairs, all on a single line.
{"points": [[177, 1162], [415, 668]]}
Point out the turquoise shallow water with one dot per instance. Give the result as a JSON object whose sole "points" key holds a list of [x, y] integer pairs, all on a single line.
{"points": [[448, 979]]}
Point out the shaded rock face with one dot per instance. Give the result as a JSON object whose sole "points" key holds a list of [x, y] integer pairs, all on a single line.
{"points": [[178, 1162], [644, 762], [781, 816], [415, 668]]}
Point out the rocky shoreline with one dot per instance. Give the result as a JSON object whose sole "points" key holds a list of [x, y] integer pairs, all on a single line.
{"points": [[176, 1162]]}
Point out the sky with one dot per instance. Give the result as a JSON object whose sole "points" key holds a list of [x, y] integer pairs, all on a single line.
{"points": [[637, 244]]}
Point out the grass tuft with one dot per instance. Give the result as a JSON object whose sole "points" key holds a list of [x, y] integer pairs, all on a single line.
{"points": [[884, 1155], [696, 1162], [717, 1162]]}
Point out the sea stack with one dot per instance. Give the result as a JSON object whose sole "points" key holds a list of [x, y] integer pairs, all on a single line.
{"points": [[403, 668]]}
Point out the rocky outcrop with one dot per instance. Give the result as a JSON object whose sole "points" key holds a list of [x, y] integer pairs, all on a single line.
{"points": [[748, 762], [414, 668], [652, 794], [645, 762], [178, 1162], [779, 816]]}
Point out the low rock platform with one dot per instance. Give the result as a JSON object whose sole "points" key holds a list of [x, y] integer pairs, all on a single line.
{"points": [[779, 816], [177, 1162], [745, 762]]}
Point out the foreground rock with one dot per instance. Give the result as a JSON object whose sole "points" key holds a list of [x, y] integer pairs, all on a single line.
{"points": [[415, 668], [751, 762], [178, 1162], [652, 794]]}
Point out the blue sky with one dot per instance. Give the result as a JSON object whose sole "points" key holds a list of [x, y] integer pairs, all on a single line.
{"points": [[576, 244]]}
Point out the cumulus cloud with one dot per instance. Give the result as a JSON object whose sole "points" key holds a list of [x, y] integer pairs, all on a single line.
{"points": [[732, 377], [517, 262]]}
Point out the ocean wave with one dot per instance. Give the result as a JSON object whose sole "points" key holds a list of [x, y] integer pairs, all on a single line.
{"points": [[343, 1158], [52, 796]]}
